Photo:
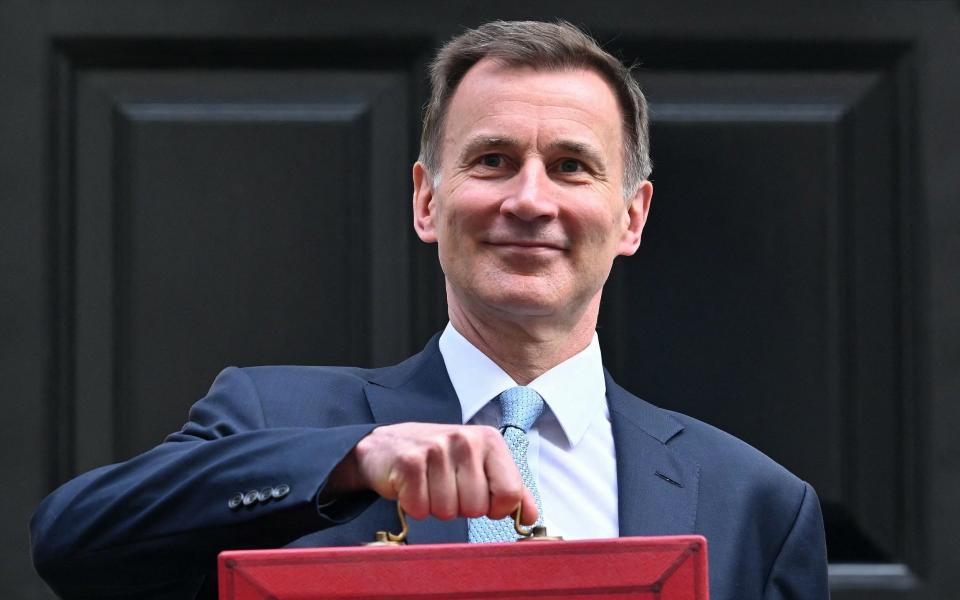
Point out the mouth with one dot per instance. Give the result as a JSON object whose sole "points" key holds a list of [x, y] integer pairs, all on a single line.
{"points": [[528, 245]]}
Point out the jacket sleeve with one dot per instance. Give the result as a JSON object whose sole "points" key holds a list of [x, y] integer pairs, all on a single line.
{"points": [[152, 526], [800, 569]]}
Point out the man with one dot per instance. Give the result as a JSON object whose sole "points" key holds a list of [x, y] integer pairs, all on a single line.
{"points": [[532, 179]]}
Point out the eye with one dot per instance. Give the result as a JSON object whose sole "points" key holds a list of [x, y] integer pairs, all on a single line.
{"points": [[494, 161], [569, 165]]}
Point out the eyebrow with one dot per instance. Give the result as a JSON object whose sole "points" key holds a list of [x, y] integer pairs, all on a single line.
{"points": [[582, 150], [578, 149], [484, 143]]}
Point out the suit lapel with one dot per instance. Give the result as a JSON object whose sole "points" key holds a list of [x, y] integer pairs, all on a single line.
{"points": [[419, 390], [657, 488]]}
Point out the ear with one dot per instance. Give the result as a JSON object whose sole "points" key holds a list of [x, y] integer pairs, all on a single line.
{"points": [[636, 217], [423, 205]]}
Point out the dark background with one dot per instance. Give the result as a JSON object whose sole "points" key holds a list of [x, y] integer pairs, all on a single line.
{"points": [[186, 186]]}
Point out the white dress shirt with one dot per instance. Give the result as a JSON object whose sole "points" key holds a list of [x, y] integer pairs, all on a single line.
{"points": [[571, 445]]}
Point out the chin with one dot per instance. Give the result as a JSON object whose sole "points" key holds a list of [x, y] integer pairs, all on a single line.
{"points": [[536, 295], [526, 305]]}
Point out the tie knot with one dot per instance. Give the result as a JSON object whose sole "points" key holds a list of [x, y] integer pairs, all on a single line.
{"points": [[520, 407]]}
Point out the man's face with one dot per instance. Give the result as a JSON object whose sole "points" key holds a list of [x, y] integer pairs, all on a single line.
{"points": [[529, 212]]}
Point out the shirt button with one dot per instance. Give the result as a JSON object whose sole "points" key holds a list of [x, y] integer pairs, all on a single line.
{"points": [[251, 497], [281, 490], [235, 501], [265, 494]]}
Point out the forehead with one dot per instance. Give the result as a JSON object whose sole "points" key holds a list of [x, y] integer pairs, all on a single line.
{"points": [[495, 99]]}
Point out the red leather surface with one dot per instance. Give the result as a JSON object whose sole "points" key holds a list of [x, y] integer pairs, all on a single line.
{"points": [[665, 568]]}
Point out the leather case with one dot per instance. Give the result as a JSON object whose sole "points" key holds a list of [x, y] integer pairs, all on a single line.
{"points": [[665, 568]]}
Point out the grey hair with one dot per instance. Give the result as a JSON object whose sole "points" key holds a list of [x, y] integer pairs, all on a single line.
{"points": [[544, 46]]}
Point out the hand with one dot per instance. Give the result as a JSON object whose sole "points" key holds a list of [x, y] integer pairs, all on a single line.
{"points": [[444, 471]]}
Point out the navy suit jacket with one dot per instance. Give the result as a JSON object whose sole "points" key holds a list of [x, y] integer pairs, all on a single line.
{"points": [[151, 527]]}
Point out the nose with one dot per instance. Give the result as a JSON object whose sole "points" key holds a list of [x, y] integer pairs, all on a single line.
{"points": [[530, 198]]}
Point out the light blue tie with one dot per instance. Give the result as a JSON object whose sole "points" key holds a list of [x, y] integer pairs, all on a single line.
{"points": [[520, 407]]}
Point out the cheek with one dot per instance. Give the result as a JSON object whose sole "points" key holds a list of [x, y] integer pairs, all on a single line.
{"points": [[455, 234], [596, 227], [468, 214]]}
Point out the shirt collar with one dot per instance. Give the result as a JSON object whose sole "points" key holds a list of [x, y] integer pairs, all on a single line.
{"points": [[575, 390]]}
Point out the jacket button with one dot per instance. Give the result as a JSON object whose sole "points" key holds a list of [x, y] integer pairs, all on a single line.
{"points": [[250, 497], [281, 490], [235, 502], [265, 494]]}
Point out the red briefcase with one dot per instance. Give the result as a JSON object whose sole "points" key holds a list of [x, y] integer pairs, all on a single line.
{"points": [[663, 568]]}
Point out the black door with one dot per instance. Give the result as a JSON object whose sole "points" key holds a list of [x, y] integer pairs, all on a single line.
{"points": [[189, 186]]}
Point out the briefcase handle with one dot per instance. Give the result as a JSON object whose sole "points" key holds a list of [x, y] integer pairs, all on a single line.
{"points": [[385, 538]]}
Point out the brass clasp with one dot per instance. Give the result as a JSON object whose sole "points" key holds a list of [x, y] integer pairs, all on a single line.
{"points": [[537, 533], [385, 538]]}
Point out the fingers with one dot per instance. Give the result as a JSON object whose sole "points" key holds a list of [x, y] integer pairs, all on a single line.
{"points": [[471, 479], [504, 482], [441, 482], [407, 482], [529, 513], [444, 471]]}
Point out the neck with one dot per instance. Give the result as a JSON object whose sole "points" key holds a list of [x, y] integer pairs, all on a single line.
{"points": [[525, 347]]}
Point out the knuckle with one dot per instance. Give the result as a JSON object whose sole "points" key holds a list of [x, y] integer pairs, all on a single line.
{"points": [[408, 462], [434, 449], [463, 446], [460, 436], [490, 434]]}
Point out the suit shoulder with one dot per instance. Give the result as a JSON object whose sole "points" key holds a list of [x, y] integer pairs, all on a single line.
{"points": [[773, 516], [710, 446], [286, 376], [738, 478], [714, 450], [295, 378], [307, 395]]}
